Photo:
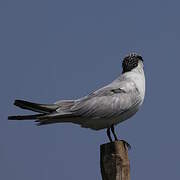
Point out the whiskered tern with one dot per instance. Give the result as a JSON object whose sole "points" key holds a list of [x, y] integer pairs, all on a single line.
{"points": [[103, 108]]}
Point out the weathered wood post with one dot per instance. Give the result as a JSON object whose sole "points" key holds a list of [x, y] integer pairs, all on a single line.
{"points": [[114, 161]]}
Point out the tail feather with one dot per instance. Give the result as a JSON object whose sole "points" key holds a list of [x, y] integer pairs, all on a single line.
{"points": [[41, 108], [25, 117], [56, 115], [44, 120], [48, 113], [51, 117]]}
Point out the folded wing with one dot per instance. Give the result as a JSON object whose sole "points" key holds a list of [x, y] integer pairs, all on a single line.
{"points": [[110, 101]]}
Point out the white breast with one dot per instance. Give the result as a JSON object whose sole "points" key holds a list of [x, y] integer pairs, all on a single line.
{"points": [[138, 77]]}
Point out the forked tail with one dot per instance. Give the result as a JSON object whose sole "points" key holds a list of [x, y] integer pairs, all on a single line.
{"points": [[47, 112]]}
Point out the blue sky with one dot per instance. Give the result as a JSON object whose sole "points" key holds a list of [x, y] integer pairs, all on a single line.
{"points": [[51, 50]]}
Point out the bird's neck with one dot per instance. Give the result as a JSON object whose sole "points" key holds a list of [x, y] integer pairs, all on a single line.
{"points": [[139, 68], [137, 76]]}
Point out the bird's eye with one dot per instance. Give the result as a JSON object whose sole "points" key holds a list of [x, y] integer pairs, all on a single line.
{"points": [[140, 57]]}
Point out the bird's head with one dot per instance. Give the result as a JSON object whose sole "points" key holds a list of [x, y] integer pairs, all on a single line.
{"points": [[131, 61]]}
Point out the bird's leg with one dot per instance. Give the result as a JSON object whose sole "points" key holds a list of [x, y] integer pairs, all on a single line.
{"points": [[109, 134], [126, 144], [112, 130]]}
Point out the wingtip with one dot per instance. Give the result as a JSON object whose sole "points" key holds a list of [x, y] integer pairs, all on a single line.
{"points": [[16, 102], [12, 117]]}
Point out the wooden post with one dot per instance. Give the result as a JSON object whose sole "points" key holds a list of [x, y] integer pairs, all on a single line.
{"points": [[114, 161]]}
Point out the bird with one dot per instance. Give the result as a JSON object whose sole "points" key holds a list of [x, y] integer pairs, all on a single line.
{"points": [[103, 108]]}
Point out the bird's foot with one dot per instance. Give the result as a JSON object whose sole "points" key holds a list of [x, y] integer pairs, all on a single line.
{"points": [[126, 144]]}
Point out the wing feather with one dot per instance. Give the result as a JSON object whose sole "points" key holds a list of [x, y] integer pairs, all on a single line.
{"points": [[110, 101]]}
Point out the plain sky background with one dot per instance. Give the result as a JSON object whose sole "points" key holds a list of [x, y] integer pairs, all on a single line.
{"points": [[51, 50]]}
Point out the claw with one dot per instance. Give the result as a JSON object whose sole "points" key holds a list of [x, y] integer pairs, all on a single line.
{"points": [[126, 145]]}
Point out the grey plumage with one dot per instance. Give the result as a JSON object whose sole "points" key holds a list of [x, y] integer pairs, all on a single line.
{"points": [[42, 108], [103, 108]]}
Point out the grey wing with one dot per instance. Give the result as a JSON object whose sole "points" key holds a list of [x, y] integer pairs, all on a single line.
{"points": [[110, 101]]}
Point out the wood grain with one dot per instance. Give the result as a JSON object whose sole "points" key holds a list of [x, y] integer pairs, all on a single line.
{"points": [[114, 161]]}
